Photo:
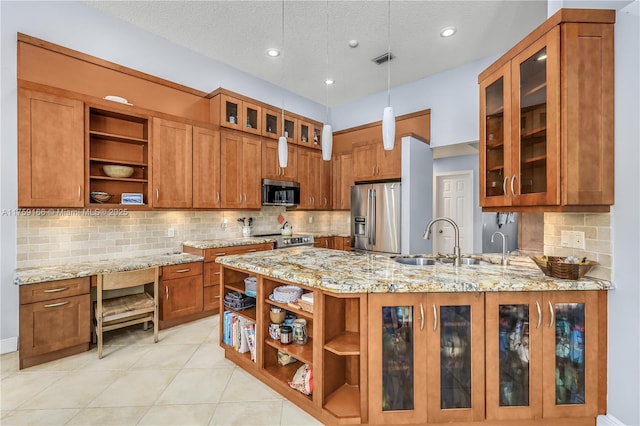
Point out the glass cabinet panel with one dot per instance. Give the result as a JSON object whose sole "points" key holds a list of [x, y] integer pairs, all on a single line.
{"points": [[398, 389], [570, 359], [533, 123], [494, 137], [271, 124], [455, 357], [513, 353], [231, 112]]}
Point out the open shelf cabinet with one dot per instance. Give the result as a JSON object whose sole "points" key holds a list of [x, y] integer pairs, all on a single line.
{"points": [[117, 139], [238, 326], [343, 360]]}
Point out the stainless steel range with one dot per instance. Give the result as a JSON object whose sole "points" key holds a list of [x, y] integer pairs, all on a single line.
{"points": [[289, 241]]}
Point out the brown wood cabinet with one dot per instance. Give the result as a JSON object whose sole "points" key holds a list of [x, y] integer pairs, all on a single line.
{"points": [[50, 150], [542, 355], [212, 270], [241, 170], [309, 134], [172, 164], [546, 128], [271, 166], [206, 168], [342, 243], [314, 175], [323, 242], [372, 162], [181, 293], [115, 138], [439, 340], [237, 113], [54, 320], [342, 181]]}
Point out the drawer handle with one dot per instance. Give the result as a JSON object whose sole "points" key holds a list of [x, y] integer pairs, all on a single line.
{"points": [[56, 290], [53, 305], [220, 254], [216, 297], [182, 271], [252, 250]]}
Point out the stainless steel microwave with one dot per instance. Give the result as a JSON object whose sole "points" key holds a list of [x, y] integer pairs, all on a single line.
{"points": [[280, 193]]}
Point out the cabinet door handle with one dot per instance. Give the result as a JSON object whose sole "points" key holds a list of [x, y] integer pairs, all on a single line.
{"points": [[217, 197], [182, 271], [166, 292], [552, 319], [373, 170], [216, 273], [504, 186], [55, 290], [53, 305], [79, 191], [251, 250], [539, 314], [513, 192], [240, 197], [421, 317], [245, 198], [157, 194], [435, 317]]}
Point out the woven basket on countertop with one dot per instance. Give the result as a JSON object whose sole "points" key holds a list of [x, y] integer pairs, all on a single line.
{"points": [[554, 266]]}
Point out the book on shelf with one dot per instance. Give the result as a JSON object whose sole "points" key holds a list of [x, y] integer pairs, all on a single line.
{"points": [[239, 333]]}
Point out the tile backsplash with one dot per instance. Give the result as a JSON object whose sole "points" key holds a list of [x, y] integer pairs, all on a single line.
{"points": [[72, 236], [598, 243]]}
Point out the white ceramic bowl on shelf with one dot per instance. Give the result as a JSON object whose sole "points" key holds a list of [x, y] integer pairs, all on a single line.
{"points": [[118, 171]]}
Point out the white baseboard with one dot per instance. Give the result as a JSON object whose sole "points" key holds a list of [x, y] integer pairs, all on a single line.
{"points": [[8, 345], [608, 420]]}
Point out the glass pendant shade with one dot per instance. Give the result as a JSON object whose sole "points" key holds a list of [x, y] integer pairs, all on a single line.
{"points": [[283, 151], [327, 142], [388, 128]]}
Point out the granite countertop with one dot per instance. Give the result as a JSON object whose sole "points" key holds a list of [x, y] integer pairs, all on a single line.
{"points": [[77, 270], [326, 234], [226, 242], [351, 272]]}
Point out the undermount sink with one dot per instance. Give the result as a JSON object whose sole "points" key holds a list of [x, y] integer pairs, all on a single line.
{"points": [[419, 261], [429, 261]]}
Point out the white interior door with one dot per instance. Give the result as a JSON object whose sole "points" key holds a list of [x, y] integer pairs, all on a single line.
{"points": [[453, 199]]}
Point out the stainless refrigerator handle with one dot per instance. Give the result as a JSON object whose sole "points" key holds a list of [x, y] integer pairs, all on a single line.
{"points": [[373, 215], [368, 222]]}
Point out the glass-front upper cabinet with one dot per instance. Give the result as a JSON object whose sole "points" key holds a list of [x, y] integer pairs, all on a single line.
{"points": [[397, 376], [455, 356], [536, 107], [495, 138]]}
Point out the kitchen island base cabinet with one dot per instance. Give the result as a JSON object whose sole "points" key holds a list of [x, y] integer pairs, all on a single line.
{"points": [[54, 320]]}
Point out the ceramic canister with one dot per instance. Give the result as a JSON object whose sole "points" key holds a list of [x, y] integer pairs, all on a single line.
{"points": [[286, 334]]}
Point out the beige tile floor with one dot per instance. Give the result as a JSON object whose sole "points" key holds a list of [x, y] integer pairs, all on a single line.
{"points": [[184, 379]]}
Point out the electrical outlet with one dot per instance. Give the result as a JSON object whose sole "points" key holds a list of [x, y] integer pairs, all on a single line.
{"points": [[310, 219], [572, 239], [223, 225], [171, 233]]}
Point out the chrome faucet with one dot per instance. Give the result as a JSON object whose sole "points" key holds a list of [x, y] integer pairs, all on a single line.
{"points": [[505, 254], [456, 249]]}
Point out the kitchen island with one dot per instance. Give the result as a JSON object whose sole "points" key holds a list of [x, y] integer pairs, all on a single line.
{"points": [[398, 344]]}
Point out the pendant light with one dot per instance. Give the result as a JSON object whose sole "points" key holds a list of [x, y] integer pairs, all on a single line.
{"points": [[283, 149], [388, 118], [327, 131]]}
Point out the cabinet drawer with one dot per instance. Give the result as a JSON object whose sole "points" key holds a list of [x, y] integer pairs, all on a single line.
{"points": [[212, 271], [211, 297], [181, 270], [211, 254], [50, 290], [56, 324]]}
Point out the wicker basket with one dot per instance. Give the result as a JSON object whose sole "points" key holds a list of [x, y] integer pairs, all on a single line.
{"points": [[554, 266], [305, 306]]}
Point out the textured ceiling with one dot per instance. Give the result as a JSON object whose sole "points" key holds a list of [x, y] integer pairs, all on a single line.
{"points": [[239, 32]]}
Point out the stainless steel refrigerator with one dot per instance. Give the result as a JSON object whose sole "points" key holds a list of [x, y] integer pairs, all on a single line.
{"points": [[375, 217]]}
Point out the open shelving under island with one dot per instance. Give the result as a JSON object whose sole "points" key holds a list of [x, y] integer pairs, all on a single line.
{"points": [[397, 344]]}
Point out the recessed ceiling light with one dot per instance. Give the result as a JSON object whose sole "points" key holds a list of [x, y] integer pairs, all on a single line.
{"points": [[329, 81], [353, 43], [448, 31], [273, 52]]}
